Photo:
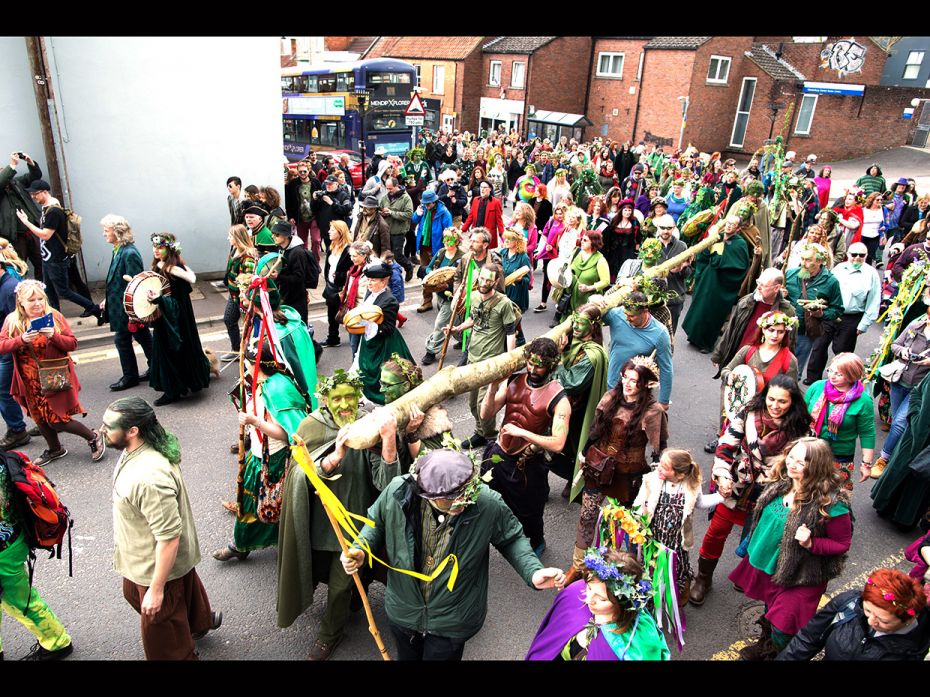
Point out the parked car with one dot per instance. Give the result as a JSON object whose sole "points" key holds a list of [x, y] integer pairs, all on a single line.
{"points": [[355, 165]]}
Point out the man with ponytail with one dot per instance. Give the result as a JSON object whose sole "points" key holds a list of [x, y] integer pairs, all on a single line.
{"points": [[156, 547]]}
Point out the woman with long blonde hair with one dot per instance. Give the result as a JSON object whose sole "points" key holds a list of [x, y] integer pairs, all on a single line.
{"points": [[12, 270], [48, 392], [336, 269], [242, 259]]}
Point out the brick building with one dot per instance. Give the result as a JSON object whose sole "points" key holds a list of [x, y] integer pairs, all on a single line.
{"points": [[536, 84], [448, 70], [739, 91]]}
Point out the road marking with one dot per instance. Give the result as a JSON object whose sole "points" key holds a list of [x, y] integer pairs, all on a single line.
{"points": [[731, 653]]}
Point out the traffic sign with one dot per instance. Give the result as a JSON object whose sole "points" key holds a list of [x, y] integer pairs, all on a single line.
{"points": [[413, 120], [415, 107]]}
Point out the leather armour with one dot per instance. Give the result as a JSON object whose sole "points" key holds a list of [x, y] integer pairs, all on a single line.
{"points": [[529, 408]]}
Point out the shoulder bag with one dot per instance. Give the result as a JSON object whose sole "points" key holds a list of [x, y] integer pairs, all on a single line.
{"points": [[54, 373]]}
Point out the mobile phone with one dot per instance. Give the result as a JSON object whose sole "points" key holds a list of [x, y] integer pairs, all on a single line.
{"points": [[21, 155]]}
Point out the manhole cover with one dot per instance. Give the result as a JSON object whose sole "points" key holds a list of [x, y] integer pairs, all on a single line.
{"points": [[746, 620]]}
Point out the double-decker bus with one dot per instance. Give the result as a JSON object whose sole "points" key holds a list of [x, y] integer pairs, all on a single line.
{"points": [[321, 107]]}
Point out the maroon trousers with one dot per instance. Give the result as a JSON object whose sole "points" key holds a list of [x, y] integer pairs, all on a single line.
{"points": [[720, 526], [185, 610]]}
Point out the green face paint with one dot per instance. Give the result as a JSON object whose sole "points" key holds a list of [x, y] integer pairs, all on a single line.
{"points": [[581, 326], [392, 387], [342, 402]]}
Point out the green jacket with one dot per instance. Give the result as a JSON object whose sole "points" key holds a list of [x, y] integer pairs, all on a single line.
{"points": [[126, 261], [401, 212], [16, 197], [458, 614], [824, 285]]}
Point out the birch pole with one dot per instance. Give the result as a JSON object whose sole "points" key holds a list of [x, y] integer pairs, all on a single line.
{"points": [[451, 381]]}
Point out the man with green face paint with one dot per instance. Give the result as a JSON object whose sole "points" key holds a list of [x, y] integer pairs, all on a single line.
{"points": [[582, 372], [308, 548], [398, 377], [449, 256]]}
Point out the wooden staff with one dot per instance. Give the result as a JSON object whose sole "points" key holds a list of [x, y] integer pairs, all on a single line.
{"points": [[372, 627], [240, 477], [457, 303], [450, 381]]}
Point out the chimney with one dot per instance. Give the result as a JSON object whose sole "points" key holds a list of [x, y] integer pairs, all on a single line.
{"points": [[781, 49]]}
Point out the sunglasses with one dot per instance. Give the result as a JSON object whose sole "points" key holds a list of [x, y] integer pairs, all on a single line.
{"points": [[857, 255], [666, 227]]}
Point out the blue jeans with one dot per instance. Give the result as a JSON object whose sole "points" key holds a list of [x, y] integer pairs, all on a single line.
{"points": [[802, 351], [9, 409], [900, 402], [55, 275]]}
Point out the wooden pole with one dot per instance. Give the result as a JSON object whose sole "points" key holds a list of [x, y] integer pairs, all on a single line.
{"points": [[240, 477], [450, 381], [372, 627]]}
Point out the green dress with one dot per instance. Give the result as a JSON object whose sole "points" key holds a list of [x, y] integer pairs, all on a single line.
{"points": [[298, 350], [591, 271], [716, 290], [286, 407]]}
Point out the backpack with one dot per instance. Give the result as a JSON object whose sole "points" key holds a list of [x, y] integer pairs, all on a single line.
{"points": [[72, 245]]}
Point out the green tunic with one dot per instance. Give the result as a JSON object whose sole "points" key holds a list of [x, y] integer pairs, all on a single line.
{"points": [[716, 290], [591, 271]]}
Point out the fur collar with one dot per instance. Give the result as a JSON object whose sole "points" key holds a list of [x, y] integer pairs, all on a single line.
{"points": [[435, 423]]}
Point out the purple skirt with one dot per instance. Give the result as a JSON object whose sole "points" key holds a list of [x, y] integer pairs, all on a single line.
{"points": [[789, 609]]}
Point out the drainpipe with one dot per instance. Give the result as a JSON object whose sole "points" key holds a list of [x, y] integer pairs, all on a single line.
{"points": [[587, 91]]}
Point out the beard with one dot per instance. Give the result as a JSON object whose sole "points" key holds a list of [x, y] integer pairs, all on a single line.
{"points": [[804, 273], [534, 380]]}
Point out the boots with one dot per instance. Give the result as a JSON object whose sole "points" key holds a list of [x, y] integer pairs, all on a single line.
{"points": [[764, 649], [705, 579], [684, 594], [574, 572]]}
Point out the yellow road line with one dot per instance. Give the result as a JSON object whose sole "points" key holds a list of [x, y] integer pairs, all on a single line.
{"points": [[731, 653]]}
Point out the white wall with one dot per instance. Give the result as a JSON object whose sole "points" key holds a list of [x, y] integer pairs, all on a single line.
{"points": [[20, 132], [152, 127]]}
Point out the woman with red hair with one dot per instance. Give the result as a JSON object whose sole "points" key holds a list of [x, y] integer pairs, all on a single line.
{"points": [[888, 620], [850, 216]]}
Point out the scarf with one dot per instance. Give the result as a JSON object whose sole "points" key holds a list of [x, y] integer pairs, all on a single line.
{"points": [[841, 399], [352, 288], [772, 439], [482, 207]]}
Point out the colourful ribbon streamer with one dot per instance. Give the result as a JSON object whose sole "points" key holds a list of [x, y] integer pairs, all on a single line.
{"points": [[345, 519]]}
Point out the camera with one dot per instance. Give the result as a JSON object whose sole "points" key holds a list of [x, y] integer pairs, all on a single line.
{"points": [[317, 195], [21, 155], [916, 357]]}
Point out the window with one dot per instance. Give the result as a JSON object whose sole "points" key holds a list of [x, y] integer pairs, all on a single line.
{"points": [[376, 79], [494, 79], [610, 65], [719, 69], [912, 67], [439, 79], [805, 114], [518, 74], [742, 112], [448, 122], [417, 69]]}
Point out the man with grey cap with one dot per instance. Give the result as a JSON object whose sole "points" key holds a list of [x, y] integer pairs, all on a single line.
{"points": [[372, 227], [442, 508], [332, 203]]}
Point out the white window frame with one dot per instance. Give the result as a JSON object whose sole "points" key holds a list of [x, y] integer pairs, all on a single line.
{"points": [[717, 80], [448, 122], [491, 80], [912, 64], [513, 72], [610, 55], [439, 85], [747, 112], [810, 121], [417, 67]]}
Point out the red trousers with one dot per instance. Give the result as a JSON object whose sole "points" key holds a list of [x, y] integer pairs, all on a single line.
{"points": [[185, 610], [720, 526]]}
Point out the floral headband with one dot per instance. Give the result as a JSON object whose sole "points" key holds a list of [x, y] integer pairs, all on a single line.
{"points": [[889, 596], [408, 370], [649, 363], [623, 586], [651, 251], [25, 283], [325, 384], [163, 241], [770, 319]]}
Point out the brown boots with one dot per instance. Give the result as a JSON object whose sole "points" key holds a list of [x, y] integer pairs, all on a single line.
{"points": [[574, 572], [704, 580], [764, 649]]}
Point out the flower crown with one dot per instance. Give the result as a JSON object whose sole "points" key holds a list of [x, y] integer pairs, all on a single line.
{"points": [[325, 384], [820, 253], [649, 363], [623, 586], [889, 597], [25, 283], [163, 241], [770, 319], [651, 251]]}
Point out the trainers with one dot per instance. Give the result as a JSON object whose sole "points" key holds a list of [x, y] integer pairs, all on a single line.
{"points": [[216, 621], [540, 548], [425, 307], [48, 456], [476, 441], [428, 359], [34, 432], [98, 446], [320, 651], [37, 653], [229, 357], [880, 464], [14, 439], [711, 447], [331, 343], [540, 308]]}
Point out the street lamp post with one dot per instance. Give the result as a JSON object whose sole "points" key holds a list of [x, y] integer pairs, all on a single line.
{"points": [[362, 94], [684, 117]]}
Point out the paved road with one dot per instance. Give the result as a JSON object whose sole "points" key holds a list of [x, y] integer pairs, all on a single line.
{"points": [[104, 627]]}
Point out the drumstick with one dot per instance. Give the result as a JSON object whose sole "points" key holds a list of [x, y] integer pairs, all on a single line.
{"points": [[127, 277]]}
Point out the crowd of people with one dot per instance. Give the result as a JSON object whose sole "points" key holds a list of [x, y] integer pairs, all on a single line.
{"points": [[786, 276]]}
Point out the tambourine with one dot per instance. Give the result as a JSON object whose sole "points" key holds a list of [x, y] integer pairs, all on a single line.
{"points": [[358, 318], [742, 384], [559, 273], [135, 298], [516, 275], [437, 280]]}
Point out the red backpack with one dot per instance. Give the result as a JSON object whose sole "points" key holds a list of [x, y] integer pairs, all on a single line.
{"points": [[45, 519]]}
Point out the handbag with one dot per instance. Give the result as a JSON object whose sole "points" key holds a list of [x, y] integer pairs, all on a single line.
{"points": [[598, 466], [270, 494], [892, 371], [54, 373]]}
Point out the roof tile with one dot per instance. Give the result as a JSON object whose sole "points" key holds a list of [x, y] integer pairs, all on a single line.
{"points": [[425, 47], [683, 43], [776, 68], [517, 44]]}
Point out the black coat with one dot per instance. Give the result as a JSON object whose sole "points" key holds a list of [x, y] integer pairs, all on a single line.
{"points": [[841, 629], [910, 216], [516, 170], [339, 209], [342, 269]]}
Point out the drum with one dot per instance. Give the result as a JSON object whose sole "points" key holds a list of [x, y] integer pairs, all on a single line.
{"points": [[559, 273], [741, 385], [358, 318], [135, 298], [516, 275], [437, 280]]}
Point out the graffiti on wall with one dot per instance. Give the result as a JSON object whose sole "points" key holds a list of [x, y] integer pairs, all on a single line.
{"points": [[658, 140], [844, 56]]}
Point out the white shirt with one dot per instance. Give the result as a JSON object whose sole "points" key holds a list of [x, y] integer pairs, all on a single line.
{"points": [[861, 290]]}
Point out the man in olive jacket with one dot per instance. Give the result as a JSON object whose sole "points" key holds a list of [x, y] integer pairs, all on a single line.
{"points": [[12, 196], [443, 508], [397, 209]]}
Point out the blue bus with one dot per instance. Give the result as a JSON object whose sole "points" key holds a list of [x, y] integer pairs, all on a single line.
{"points": [[320, 107]]}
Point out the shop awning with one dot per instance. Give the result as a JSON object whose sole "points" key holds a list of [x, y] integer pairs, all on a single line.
{"points": [[560, 118]]}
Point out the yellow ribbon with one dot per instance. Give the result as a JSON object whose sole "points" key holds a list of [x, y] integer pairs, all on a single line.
{"points": [[345, 518]]}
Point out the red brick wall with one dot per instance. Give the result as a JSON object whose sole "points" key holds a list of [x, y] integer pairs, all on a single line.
{"points": [[806, 58], [506, 60], [468, 86], [607, 94], [558, 75], [666, 76]]}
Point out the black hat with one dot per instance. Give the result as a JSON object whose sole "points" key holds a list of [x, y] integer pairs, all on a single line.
{"points": [[377, 269], [282, 228], [37, 186], [256, 208], [370, 202], [639, 168], [441, 473], [331, 180]]}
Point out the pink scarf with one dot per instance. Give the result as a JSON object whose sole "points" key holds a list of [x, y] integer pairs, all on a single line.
{"points": [[841, 399]]}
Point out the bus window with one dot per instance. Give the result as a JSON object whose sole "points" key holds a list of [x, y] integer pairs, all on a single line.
{"points": [[376, 79], [341, 82], [326, 83], [300, 83], [290, 130], [287, 84], [350, 82], [311, 84]]}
